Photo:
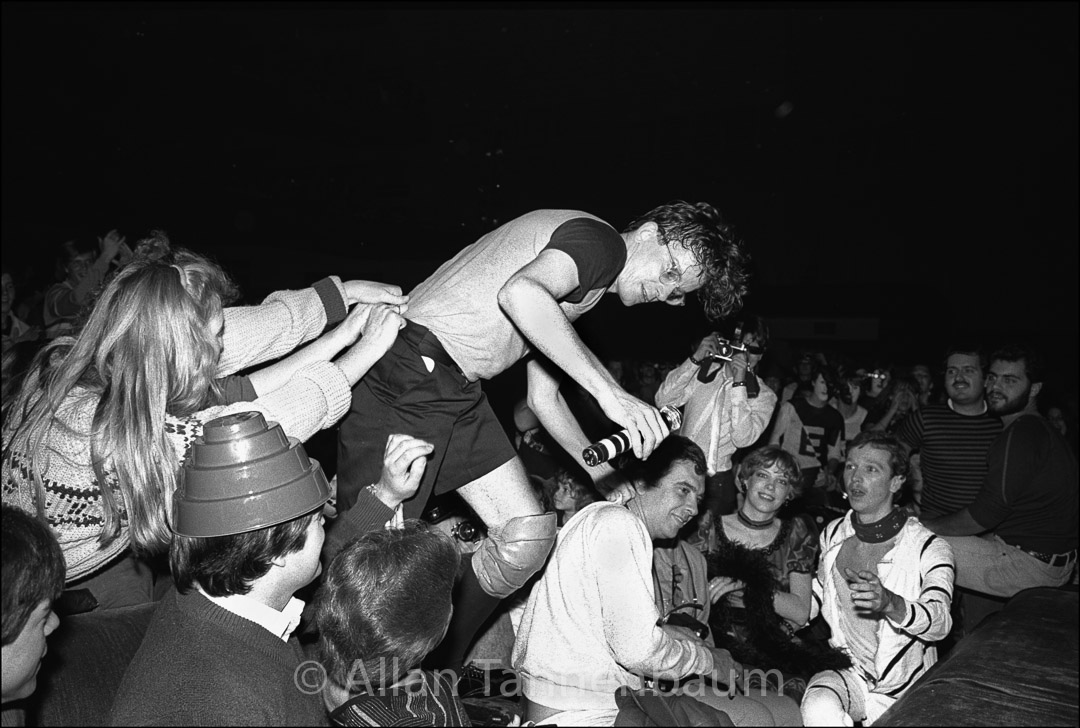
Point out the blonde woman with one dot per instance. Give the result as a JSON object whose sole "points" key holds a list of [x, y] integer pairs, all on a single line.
{"points": [[95, 436]]}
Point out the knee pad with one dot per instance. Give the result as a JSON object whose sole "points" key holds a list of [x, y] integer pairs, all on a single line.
{"points": [[511, 554]]}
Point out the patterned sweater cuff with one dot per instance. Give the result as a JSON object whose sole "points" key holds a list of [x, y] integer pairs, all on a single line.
{"points": [[332, 295]]}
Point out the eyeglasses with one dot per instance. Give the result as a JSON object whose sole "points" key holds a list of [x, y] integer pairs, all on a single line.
{"points": [[671, 275]]}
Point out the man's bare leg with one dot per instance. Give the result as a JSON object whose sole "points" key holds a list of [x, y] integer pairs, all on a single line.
{"points": [[520, 536]]}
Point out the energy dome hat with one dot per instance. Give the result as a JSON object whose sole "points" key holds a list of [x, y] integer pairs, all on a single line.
{"points": [[243, 475]]}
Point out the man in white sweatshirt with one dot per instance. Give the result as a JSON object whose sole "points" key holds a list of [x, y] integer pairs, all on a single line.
{"points": [[590, 625]]}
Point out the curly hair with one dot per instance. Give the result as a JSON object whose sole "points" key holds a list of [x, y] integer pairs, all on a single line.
{"points": [[1034, 365], [716, 248]]}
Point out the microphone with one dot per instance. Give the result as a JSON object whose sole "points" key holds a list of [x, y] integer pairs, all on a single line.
{"points": [[609, 447]]}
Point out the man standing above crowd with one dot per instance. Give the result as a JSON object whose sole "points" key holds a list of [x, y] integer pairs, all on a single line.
{"points": [[1028, 502], [953, 438], [519, 289], [727, 405]]}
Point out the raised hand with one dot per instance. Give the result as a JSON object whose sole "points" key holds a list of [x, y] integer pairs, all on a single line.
{"points": [[708, 346], [404, 463], [110, 244]]}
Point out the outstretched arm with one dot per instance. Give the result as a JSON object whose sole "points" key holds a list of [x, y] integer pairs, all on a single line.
{"points": [[531, 299], [549, 406], [325, 348]]}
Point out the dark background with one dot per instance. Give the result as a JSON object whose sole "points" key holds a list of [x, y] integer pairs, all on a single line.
{"points": [[915, 164]]}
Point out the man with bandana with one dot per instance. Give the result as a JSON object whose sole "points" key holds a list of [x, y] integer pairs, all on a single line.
{"points": [[884, 586]]}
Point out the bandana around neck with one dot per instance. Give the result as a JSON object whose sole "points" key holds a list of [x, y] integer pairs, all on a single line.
{"points": [[880, 531]]}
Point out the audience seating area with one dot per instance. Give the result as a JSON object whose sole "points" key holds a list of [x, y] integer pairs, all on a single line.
{"points": [[1019, 667]]}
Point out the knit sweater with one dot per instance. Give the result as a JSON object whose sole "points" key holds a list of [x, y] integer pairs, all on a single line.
{"points": [[202, 665], [590, 623], [316, 397]]}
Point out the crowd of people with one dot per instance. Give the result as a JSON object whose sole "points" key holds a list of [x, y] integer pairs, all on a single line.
{"points": [[792, 552]]}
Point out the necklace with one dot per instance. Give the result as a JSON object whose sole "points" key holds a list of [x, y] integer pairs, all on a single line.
{"points": [[756, 525], [882, 530]]}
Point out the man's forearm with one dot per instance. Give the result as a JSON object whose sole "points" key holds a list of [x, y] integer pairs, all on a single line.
{"points": [[549, 406], [960, 523], [538, 316]]}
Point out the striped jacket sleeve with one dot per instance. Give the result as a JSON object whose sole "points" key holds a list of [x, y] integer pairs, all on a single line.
{"points": [[928, 617], [817, 594]]}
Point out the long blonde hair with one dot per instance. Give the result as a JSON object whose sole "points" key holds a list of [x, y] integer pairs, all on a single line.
{"points": [[145, 349]]}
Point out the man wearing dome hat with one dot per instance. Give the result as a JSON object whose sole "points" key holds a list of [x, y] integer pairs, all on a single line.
{"points": [[221, 648]]}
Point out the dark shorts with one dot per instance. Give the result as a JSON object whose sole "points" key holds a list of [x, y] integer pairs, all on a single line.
{"points": [[399, 395]]}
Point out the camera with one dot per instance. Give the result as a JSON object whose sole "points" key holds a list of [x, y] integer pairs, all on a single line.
{"points": [[726, 350]]}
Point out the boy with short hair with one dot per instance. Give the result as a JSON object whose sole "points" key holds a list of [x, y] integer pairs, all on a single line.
{"points": [[33, 578]]}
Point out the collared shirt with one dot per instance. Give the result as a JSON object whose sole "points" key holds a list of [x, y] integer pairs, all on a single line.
{"points": [[720, 418], [280, 624]]}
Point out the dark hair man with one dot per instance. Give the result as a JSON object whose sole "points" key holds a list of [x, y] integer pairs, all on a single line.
{"points": [[726, 405], [591, 623], [953, 437], [248, 529], [383, 605]]}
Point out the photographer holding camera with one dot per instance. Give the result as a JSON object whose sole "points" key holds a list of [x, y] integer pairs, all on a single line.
{"points": [[727, 406]]}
